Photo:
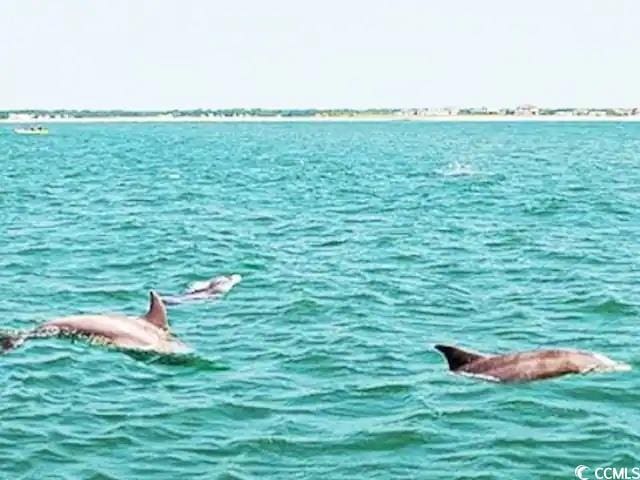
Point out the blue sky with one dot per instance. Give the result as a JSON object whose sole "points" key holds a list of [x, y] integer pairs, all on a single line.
{"points": [[156, 54]]}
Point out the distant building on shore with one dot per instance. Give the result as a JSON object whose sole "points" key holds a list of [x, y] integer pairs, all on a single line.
{"points": [[527, 110], [20, 117], [524, 110]]}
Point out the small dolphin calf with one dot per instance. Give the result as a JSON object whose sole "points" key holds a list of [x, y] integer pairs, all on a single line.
{"points": [[527, 366], [146, 333], [209, 289]]}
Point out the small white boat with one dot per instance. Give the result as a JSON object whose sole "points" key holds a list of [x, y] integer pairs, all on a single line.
{"points": [[31, 130]]}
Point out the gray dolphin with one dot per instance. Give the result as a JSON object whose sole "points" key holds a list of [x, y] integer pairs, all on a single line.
{"points": [[149, 332], [208, 289], [527, 366]]}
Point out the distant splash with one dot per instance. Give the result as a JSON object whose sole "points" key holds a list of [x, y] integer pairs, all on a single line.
{"points": [[459, 169]]}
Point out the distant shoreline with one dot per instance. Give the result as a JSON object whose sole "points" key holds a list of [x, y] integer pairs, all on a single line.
{"points": [[337, 118]]}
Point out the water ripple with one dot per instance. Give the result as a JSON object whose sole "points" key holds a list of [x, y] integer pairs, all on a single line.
{"points": [[360, 245]]}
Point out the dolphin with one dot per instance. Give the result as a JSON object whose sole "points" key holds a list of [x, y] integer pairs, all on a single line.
{"points": [[149, 332], [527, 366], [203, 290]]}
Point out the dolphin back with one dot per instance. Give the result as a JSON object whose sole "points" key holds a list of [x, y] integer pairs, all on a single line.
{"points": [[172, 300]]}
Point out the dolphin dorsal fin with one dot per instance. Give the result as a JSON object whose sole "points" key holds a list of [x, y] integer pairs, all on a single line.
{"points": [[456, 357], [157, 314]]}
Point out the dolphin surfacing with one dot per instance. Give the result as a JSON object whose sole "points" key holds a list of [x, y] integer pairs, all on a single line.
{"points": [[205, 290], [149, 332], [527, 366]]}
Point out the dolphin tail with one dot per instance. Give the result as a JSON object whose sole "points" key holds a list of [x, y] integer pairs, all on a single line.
{"points": [[456, 357], [10, 341]]}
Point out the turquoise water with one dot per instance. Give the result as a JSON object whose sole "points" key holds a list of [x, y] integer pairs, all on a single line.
{"points": [[361, 245]]}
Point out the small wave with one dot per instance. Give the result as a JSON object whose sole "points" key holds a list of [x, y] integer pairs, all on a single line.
{"points": [[385, 440], [384, 389], [546, 206], [299, 306], [186, 360], [332, 243], [246, 411], [611, 307]]}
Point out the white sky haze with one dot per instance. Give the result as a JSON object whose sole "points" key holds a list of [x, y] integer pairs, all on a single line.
{"points": [[161, 54]]}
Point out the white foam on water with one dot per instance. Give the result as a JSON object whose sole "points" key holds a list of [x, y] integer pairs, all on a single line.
{"points": [[479, 376], [458, 169], [608, 365]]}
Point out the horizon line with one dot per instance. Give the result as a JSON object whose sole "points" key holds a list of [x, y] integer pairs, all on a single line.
{"points": [[298, 109]]}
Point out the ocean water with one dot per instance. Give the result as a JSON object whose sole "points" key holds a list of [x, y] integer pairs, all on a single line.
{"points": [[361, 245]]}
